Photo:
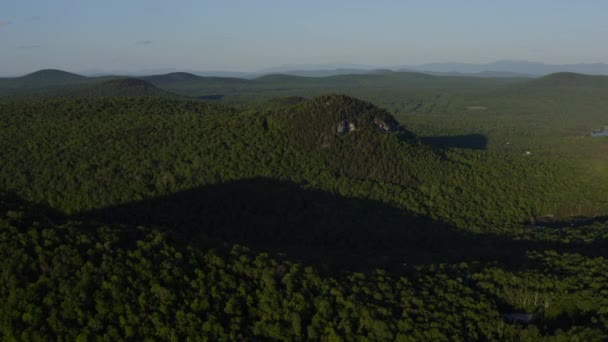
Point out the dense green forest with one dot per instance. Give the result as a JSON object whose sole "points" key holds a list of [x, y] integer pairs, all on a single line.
{"points": [[75, 280], [82, 154], [436, 208]]}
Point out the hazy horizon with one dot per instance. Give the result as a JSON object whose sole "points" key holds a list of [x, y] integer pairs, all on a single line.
{"points": [[115, 36], [438, 68]]}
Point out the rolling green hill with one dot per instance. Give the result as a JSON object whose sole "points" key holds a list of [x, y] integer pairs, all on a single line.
{"points": [[573, 80], [49, 76], [42, 81], [57, 83], [119, 87], [174, 77], [279, 85], [197, 86]]}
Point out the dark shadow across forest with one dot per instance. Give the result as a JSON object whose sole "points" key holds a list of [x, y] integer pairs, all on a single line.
{"points": [[469, 141], [319, 228], [211, 97]]}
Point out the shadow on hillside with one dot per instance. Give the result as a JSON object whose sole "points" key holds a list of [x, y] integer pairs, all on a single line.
{"points": [[33, 212], [407, 136], [215, 97], [567, 222], [469, 141], [315, 227]]}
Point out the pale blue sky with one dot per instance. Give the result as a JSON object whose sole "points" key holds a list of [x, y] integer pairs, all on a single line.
{"points": [[130, 35]]}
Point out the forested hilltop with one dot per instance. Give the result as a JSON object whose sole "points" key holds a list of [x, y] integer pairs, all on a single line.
{"points": [[299, 218]]}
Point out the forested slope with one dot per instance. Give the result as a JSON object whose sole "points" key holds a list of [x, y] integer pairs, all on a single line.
{"points": [[90, 153]]}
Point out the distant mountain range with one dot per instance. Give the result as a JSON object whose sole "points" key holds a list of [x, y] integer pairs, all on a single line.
{"points": [[505, 68], [511, 67]]}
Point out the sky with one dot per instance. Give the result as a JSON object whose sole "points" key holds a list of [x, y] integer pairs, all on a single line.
{"points": [[250, 35]]}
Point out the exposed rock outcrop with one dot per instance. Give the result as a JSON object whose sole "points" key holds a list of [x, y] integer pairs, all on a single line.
{"points": [[345, 127], [326, 119], [388, 124]]}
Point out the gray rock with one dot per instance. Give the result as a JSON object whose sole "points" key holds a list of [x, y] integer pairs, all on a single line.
{"points": [[388, 125], [345, 127]]}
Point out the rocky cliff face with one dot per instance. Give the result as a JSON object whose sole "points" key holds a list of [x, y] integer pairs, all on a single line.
{"points": [[387, 124]]}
